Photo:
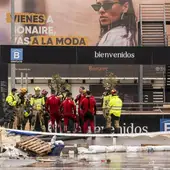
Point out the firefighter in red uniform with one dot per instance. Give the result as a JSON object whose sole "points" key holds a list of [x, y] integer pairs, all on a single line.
{"points": [[78, 100], [68, 108], [88, 106], [53, 107]]}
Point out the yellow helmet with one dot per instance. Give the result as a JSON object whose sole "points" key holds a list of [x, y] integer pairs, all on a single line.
{"points": [[37, 89], [26, 114], [23, 90], [60, 96], [84, 91]]}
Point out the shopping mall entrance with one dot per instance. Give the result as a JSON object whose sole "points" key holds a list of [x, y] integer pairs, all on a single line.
{"points": [[88, 66]]}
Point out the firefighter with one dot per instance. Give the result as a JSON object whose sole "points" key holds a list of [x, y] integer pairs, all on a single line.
{"points": [[37, 108], [46, 114], [78, 100], [20, 97], [10, 109], [53, 107], [115, 107], [68, 108], [27, 115], [105, 101], [88, 106], [64, 93]]}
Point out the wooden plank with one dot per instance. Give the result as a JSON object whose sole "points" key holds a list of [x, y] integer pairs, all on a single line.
{"points": [[34, 146], [22, 143], [31, 143], [44, 147], [28, 141], [45, 152], [38, 145]]}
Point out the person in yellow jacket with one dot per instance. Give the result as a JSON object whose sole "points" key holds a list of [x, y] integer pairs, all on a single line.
{"points": [[105, 101], [20, 98], [115, 108], [9, 109], [37, 106]]}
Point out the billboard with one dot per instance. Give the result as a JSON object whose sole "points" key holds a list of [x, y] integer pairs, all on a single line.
{"points": [[72, 23]]}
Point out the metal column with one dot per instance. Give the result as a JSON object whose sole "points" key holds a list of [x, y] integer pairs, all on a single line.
{"points": [[13, 68], [26, 80], [140, 78], [164, 83], [22, 79]]}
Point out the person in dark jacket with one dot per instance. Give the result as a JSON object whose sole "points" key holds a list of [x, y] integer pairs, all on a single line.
{"points": [[46, 114], [53, 108], [78, 100], [88, 106], [27, 114], [20, 107], [68, 108]]}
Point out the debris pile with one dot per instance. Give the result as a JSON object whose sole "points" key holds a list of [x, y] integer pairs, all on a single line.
{"points": [[8, 140], [13, 146], [12, 153]]}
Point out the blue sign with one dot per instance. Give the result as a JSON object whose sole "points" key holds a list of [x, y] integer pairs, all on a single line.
{"points": [[164, 124], [16, 54]]}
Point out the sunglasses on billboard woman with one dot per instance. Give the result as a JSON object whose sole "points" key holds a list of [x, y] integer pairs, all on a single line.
{"points": [[105, 6]]}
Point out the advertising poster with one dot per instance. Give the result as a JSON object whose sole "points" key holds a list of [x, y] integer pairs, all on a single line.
{"points": [[73, 23]]}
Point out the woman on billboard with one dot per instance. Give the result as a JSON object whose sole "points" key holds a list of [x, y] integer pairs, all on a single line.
{"points": [[117, 22]]}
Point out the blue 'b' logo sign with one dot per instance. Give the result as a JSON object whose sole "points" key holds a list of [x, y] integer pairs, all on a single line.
{"points": [[16, 54], [165, 125]]}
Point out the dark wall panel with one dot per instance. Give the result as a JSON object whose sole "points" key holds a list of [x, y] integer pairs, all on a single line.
{"points": [[3, 86]]}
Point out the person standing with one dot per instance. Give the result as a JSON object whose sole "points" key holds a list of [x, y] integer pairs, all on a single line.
{"points": [[68, 108], [10, 110], [64, 93], [53, 107], [88, 106], [27, 115], [115, 108], [105, 102], [37, 108], [46, 116], [78, 100], [20, 98]]}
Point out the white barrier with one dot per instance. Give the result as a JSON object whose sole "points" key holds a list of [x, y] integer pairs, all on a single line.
{"points": [[131, 135], [94, 149], [125, 142]]}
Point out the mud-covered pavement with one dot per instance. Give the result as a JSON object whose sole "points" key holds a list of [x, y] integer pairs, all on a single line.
{"points": [[130, 161]]}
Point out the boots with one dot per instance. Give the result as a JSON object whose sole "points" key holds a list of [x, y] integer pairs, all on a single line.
{"points": [[117, 130], [58, 129], [11, 125], [43, 128], [32, 128], [6, 124], [107, 130], [65, 129]]}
